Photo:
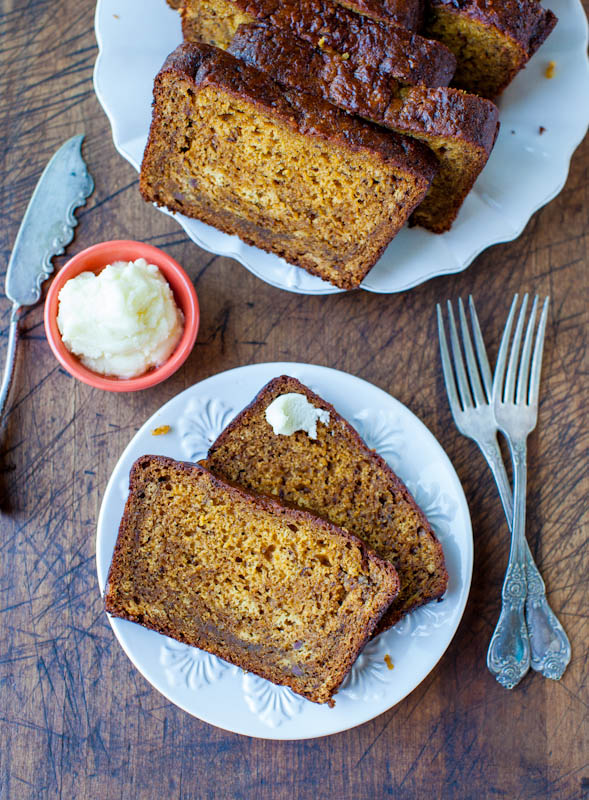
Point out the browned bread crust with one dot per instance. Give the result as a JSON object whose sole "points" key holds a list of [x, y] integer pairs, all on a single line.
{"points": [[492, 39], [339, 477], [271, 589], [460, 128], [397, 52], [382, 177], [407, 13]]}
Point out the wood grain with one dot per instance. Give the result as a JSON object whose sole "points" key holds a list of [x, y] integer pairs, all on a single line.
{"points": [[77, 719]]}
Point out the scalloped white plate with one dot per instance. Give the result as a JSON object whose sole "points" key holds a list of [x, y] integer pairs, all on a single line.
{"points": [[241, 702], [526, 169]]}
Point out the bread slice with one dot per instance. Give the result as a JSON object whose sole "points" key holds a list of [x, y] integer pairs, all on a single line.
{"points": [[397, 52], [285, 171], [459, 128], [492, 40], [338, 476], [225, 16], [273, 590]]}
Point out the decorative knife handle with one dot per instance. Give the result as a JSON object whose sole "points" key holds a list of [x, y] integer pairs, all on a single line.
{"points": [[10, 359]]}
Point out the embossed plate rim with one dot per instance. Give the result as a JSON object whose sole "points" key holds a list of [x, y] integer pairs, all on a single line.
{"points": [[416, 644], [526, 170]]}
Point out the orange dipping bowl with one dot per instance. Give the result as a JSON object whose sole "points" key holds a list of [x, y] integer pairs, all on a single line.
{"points": [[94, 259]]}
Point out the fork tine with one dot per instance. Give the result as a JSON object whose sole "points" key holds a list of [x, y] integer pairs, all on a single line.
{"points": [[471, 363], [502, 354], [461, 379], [479, 344], [537, 357], [521, 394], [509, 388], [453, 398]]}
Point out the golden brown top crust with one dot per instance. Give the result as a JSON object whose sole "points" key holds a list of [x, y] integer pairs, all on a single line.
{"points": [[389, 47], [447, 112], [296, 63], [407, 13], [524, 21], [439, 111], [205, 65]]}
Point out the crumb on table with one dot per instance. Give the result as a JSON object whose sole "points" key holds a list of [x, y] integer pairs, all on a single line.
{"points": [[160, 430], [541, 129]]}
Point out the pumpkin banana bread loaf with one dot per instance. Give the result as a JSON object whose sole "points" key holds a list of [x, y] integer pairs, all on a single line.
{"points": [[336, 475], [459, 128], [491, 39], [271, 589], [284, 171], [397, 52]]}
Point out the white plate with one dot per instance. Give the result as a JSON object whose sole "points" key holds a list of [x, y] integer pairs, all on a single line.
{"points": [[525, 171], [241, 702]]}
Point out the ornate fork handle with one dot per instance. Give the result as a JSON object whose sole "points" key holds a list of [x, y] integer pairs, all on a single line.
{"points": [[508, 657], [549, 644], [551, 649]]}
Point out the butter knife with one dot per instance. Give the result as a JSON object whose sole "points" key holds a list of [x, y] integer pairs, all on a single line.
{"points": [[47, 227]]}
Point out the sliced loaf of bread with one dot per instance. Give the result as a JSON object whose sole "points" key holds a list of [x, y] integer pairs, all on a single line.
{"points": [[459, 128]]}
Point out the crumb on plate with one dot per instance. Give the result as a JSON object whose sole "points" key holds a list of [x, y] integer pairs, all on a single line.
{"points": [[160, 430], [550, 69], [388, 661]]}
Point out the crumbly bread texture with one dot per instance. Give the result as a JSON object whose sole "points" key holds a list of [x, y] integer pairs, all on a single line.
{"points": [[339, 477], [271, 589], [459, 128], [395, 51], [285, 171], [491, 39]]}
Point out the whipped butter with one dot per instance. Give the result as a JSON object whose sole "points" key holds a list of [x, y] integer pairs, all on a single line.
{"points": [[292, 412], [121, 322]]}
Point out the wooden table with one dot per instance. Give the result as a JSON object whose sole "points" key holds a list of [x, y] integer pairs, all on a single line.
{"points": [[78, 721]]}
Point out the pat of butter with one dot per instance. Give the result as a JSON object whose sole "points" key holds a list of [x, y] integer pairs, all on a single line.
{"points": [[121, 322], [292, 412]]}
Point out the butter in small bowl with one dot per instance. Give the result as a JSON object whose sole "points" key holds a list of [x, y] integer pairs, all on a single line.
{"points": [[121, 316]]}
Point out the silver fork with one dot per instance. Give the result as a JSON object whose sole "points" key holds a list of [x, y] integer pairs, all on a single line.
{"points": [[515, 401], [472, 410]]}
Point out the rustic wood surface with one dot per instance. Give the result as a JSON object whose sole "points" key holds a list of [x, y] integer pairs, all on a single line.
{"points": [[77, 719]]}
